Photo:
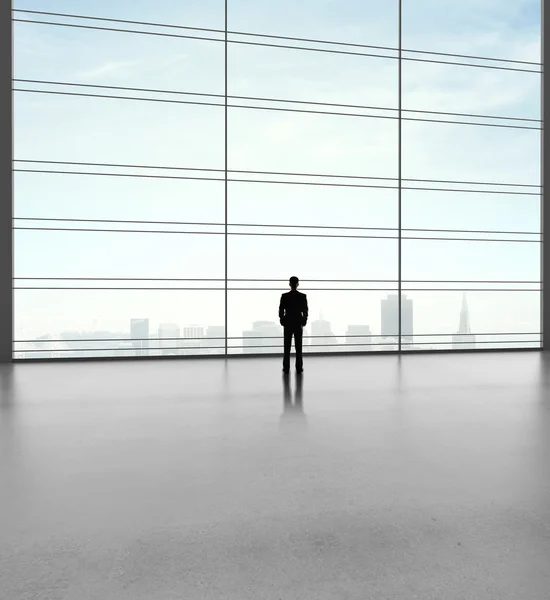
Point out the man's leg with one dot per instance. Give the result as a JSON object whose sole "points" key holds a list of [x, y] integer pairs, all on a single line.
{"points": [[298, 335], [287, 343]]}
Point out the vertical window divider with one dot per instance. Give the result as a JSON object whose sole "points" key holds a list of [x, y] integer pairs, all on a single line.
{"points": [[225, 180], [399, 163], [543, 211]]}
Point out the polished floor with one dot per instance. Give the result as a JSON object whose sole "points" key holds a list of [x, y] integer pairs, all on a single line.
{"points": [[422, 477]]}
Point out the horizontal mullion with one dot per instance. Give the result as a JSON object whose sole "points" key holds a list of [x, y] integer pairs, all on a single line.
{"points": [[118, 279], [389, 48], [267, 99], [129, 349], [344, 114], [273, 45], [327, 175], [193, 289], [125, 88], [273, 108], [131, 175], [128, 340], [474, 342], [126, 166], [267, 234], [263, 337], [278, 225], [275, 279], [135, 98], [120, 30], [244, 33], [460, 64], [326, 50], [275, 182], [277, 289], [67, 220], [113, 20]]}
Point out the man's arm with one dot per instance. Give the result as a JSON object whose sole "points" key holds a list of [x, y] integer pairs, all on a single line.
{"points": [[281, 311], [305, 311]]}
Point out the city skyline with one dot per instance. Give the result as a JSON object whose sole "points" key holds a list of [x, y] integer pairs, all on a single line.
{"points": [[171, 339]]}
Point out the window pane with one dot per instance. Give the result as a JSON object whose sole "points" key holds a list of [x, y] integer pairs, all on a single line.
{"points": [[471, 320], [312, 77], [508, 29], [111, 58], [366, 22], [470, 153], [312, 205], [473, 211], [53, 128], [206, 13], [308, 143], [51, 196], [253, 322], [106, 254], [95, 323], [312, 258], [429, 260], [471, 90]]}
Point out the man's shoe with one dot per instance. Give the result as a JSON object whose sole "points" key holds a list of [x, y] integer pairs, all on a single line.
{"points": [[299, 371], [286, 371]]}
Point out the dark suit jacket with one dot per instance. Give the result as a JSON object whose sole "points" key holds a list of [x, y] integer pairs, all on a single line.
{"points": [[293, 310]]}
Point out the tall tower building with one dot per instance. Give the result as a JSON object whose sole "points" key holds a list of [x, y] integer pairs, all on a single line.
{"points": [[168, 338], [390, 317], [265, 337], [464, 339], [139, 334], [322, 336], [193, 336], [357, 335]]}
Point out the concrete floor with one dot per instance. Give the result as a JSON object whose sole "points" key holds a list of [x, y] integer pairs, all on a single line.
{"points": [[420, 477]]}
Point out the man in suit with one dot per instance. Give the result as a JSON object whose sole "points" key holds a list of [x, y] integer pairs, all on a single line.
{"points": [[293, 313]]}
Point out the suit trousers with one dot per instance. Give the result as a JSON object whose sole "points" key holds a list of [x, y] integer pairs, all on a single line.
{"points": [[295, 331]]}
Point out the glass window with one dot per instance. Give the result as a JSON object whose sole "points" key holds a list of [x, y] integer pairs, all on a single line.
{"points": [[368, 22], [206, 13], [80, 323], [308, 257], [438, 151], [168, 184], [52, 128], [153, 196], [265, 140], [510, 30], [316, 77], [254, 327], [117, 254]]}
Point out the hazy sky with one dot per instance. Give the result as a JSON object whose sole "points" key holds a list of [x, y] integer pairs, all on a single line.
{"points": [[72, 128]]}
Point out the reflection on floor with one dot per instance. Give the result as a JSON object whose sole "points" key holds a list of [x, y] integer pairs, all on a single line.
{"points": [[370, 477]]}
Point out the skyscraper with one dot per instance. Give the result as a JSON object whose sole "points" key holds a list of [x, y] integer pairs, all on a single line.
{"points": [[322, 335], [390, 317], [359, 334], [167, 333], [264, 337], [192, 338], [464, 339], [139, 333]]}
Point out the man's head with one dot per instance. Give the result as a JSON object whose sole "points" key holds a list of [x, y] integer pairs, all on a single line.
{"points": [[293, 282]]}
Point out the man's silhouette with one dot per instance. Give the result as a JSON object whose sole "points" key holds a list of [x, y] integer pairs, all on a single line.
{"points": [[293, 313]]}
